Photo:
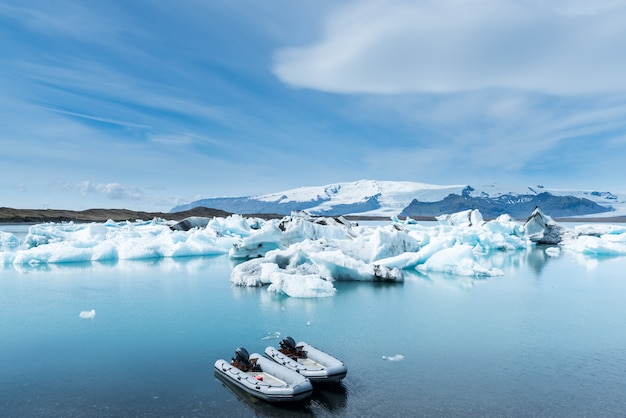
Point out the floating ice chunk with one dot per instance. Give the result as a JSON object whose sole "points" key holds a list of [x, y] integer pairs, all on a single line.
{"points": [[302, 256], [596, 240], [68, 242], [235, 225], [310, 264], [88, 314], [542, 229], [301, 286], [336, 265], [411, 260], [8, 241], [603, 245], [390, 241], [248, 273], [271, 335], [465, 218], [190, 223], [397, 357], [257, 245], [599, 229], [290, 230], [458, 260], [6, 258], [553, 251]]}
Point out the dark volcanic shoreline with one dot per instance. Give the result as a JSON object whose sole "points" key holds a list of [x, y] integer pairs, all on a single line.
{"points": [[10, 215], [16, 216]]}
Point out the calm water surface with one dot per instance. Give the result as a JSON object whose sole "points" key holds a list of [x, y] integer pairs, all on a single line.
{"points": [[548, 339]]}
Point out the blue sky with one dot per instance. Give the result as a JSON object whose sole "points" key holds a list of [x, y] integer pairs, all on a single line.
{"points": [[146, 105]]}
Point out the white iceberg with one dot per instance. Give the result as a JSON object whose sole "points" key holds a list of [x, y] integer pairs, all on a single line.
{"points": [[71, 242], [302, 256], [271, 336], [8, 241], [459, 260], [308, 268], [397, 357], [87, 314]]}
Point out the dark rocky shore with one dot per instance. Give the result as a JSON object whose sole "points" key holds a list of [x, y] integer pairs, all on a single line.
{"points": [[10, 215]]}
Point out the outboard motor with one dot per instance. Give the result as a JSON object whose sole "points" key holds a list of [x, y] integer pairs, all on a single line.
{"points": [[242, 361], [242, 356], [288, 343]]}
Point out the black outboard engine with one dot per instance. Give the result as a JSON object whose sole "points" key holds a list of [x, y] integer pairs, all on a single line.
{"points": [[242, 356], [288, 343]]}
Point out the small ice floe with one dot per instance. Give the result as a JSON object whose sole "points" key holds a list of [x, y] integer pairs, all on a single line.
{"points": [[88, 314], [397, 357], [271, 335], [553, 251], [308, 323]]}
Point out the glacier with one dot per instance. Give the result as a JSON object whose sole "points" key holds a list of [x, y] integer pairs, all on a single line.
{"points": [[302, 255], [389, 198]]}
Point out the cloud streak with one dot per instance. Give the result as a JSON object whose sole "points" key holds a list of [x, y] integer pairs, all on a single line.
{"points": [[375, 46], [158, 103], [113, 191]]}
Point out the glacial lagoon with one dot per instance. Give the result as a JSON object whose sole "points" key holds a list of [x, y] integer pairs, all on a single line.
{"points": [[546, 339]]}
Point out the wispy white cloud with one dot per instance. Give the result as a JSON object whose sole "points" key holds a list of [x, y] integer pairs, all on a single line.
{"points": [[376, 46], [181, 95], [95, 118], [183, 139], [113, 191], [106, 24], [108, 86]]}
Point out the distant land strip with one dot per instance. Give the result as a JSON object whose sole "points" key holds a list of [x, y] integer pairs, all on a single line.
{"points": [[10, 215], [33, 216]]}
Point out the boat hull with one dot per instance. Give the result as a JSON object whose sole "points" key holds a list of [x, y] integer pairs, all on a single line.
{"points": [[274, 383], [318, 366]]}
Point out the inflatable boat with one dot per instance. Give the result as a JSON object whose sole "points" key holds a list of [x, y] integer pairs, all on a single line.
{"points": [[263, 378], [308, 361]]}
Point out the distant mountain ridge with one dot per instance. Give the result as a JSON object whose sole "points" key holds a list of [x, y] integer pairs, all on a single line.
{"points": [[517, 206], [395, 198]]}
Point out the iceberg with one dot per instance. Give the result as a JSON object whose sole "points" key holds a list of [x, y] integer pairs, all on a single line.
{"points": [[87, 314], [72, 242], [542, 229], [313, 254], [459, 260], [397, 357], [8, 241], [303, 256]]}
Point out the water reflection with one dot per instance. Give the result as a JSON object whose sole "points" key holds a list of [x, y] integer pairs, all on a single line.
{"points": [[165, 264], [537, 259], [534, 258], [331, 397], [327, 398]]}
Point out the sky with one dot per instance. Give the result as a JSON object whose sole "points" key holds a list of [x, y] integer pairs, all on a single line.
{"points": [[147, 105]]}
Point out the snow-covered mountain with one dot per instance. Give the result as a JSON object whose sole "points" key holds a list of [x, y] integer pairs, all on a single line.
{"points": [[392, 198]]}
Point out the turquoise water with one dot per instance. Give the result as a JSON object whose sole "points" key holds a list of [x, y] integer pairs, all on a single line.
{"points": [[547, 339]]}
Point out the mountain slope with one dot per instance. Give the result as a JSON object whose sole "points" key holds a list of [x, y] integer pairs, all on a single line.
{"points": [[391, 198], [518, 206], [369, 197]]}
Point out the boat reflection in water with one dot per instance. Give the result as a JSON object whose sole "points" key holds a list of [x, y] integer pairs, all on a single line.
{"points": [[326, 398], [264, 378]]}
